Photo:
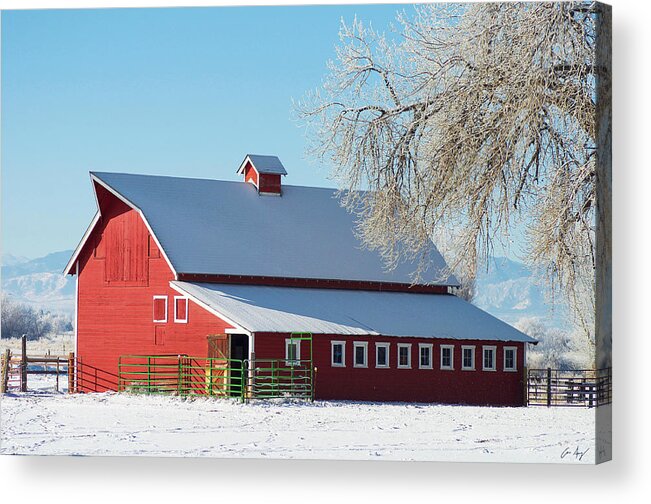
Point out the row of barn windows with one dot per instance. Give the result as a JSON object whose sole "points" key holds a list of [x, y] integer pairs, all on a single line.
{"points": [[404, 361], [180, 306]]}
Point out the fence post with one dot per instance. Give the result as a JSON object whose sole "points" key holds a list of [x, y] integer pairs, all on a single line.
{"points": [[71, 372], [244, 374], [4, 375], [251, 377], [549, 387], [178, 378], [23, 363]]}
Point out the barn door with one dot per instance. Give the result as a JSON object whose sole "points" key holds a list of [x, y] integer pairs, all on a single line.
{"points": [[218, 346], [217, 364]]}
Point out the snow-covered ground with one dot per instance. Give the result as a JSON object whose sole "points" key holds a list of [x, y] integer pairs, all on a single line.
{"points": [[46, 423]]}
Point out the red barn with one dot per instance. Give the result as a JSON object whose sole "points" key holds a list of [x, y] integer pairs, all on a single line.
{"points": [[203, 269]]}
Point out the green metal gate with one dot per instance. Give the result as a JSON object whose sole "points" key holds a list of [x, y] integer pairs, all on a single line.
{"points": [[182, 375], [291, 377]]}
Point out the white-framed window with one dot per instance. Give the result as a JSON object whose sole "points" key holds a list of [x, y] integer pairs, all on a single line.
{"points": [[404, 355], [447, 357], [510, 358], [160, 309], [425, 356], [468, 357], [382, 355], [360, 354], [488, 359], [180, 309], [292, 352], [338, 353]]}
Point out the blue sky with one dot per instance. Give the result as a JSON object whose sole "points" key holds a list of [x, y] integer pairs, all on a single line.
{"points": [[181, 92]]}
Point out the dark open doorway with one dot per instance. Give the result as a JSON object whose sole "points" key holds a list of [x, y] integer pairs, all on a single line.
{"points": [[239, 353]]}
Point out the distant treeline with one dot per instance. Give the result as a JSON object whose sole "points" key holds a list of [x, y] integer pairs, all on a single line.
{"points": [[18, 319]]}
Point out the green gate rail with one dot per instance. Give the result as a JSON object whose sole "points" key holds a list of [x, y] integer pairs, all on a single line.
{"points": [[186, 375], [277, 378], [182, 375]]}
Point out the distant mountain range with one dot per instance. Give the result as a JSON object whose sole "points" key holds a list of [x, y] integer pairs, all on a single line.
{"points": [[506, 289], [510, 291], [40, 282]]}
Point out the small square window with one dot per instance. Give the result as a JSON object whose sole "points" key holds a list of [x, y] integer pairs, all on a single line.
{"points": [[489, 358], [360, 352], [382, 355], [425, 356], [447, 357], [338, 354], [468, 357], [180, 309], [404, 355], [292, 352], [160, 309], [510, 358]]}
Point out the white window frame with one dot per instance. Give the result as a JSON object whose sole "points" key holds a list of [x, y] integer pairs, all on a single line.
{"points": [[297, 357], [187, 302], [515, 358], [451, 366], [364, 345], [430, 347], [386, 346], [343, 353], [408, 347], [153, 310], [491, 348], [474, 357]]}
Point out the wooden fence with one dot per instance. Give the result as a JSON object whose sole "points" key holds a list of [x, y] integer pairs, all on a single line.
{"points": [[584, 387], [15, 370]]}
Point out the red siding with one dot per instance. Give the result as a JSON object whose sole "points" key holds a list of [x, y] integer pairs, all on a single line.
{"points": [[265, 182], [250, 174], [315, 283], [500, 388], [269, 183], [118, 319]]}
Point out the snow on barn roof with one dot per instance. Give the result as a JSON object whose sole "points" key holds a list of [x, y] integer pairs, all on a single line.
{"points": [[217, 227], [264, 164], [349, 312]]}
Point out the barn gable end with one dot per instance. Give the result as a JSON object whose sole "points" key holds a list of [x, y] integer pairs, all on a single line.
{"points": [[123, 284]]}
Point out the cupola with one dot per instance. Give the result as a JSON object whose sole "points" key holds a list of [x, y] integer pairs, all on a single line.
{"points": [[263, 172]]}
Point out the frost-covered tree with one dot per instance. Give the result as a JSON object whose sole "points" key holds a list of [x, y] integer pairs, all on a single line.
{"points": [[18, 319], [556, 348], [474, 118]]}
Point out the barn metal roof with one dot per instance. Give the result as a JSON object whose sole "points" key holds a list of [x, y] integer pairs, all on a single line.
{"points": [[217, 227], [349, 312]]}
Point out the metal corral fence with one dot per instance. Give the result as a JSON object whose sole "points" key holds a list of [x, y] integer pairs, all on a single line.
{"points": [[191, 376], [555, 387], [270, 378]]}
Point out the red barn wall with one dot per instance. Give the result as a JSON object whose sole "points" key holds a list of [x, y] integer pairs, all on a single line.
{"points": [[269, 183], [500, 388], [265, 182], [250, 174], [115, 314]]}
